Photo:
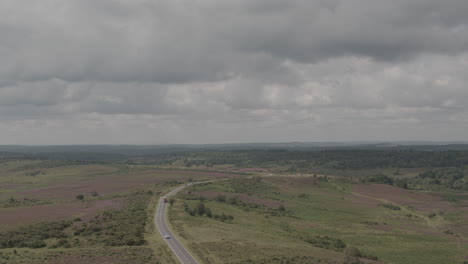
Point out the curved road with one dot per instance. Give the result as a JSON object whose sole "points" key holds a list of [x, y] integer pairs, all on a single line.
{"points": [[160, 220]]}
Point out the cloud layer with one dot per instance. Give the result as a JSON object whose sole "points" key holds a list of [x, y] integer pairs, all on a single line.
{"points": [[205, 71]]}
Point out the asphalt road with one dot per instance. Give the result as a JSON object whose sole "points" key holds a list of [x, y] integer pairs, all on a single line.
{"points": [[160, 220]]}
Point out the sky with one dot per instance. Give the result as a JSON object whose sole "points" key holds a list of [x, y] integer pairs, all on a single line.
{"points": [[232, 71]]}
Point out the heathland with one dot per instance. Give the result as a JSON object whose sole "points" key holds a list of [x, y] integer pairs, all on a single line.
{"points": [[363, 204]]}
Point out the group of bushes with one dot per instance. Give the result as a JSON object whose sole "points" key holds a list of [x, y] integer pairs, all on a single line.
{"points": [[326, 242], [445, 178], [384, 179], [15, 202], [123, 227], [353, 255], [390, 206], [318, 241], [201, 210], [235, 201], [33, 236], [82, 197]]}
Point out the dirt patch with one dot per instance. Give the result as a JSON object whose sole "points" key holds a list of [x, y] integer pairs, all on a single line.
{"points": [[381, 227], [252, 170], [11, 217], [110, 184], [70, 190], [303, 181], [362, 201], [421, 201], [198, 175]]}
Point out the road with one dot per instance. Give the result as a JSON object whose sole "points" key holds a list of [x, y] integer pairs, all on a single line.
{"points": [[160, 220]]}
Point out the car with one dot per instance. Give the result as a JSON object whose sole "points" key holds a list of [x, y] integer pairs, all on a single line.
{"points": [[167, 236]]}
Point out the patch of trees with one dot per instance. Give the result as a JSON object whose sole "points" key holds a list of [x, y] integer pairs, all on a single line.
{"points": [[326, 242], [33, 236], [384, 179], [443, 178], [201, 209], [450, 178], [378, 178], [261, 208]]}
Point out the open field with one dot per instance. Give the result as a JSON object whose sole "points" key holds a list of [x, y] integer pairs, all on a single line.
{"points": [[110, 223], [393, 224], [338, 208]]}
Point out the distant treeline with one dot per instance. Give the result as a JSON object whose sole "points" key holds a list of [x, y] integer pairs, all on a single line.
{"points": [[292, 160], [304, 160]]}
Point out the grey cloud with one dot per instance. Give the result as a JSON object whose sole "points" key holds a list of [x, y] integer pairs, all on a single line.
{"points": [[186, 41], [251, 70]]}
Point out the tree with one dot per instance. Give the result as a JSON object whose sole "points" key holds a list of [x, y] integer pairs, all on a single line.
{"points": [[282, 208], [80, 197], [208, 212], [221, 198], [223, 217], [171, 201], [401, 183], [94, 193], [201, 209]]}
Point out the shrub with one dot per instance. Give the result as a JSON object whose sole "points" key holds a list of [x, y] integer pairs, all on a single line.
{"points": [[326, 242], [123, 227], [379, 178], [33, 236], [221, 198], [390, 206], [208, 212], [200, 209]]}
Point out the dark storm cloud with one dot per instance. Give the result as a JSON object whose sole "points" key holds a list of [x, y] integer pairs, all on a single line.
{"points": [[184, 41], [271, 66]]}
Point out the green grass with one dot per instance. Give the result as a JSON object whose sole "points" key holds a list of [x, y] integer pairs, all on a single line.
{"points": [[320, 208]]}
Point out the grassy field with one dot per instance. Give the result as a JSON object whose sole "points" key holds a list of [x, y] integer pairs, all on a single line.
{"points": [[287, 218], [78, 212], [300, 220]]}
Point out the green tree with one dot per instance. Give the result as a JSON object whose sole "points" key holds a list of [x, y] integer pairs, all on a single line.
{"points": [[201, 209], [208, 212]]}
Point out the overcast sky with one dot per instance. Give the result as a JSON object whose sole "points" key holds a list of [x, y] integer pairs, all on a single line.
{"points": [[224, 71]]}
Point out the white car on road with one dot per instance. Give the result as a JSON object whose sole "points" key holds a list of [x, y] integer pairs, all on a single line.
{"points": [[167, 236]]}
